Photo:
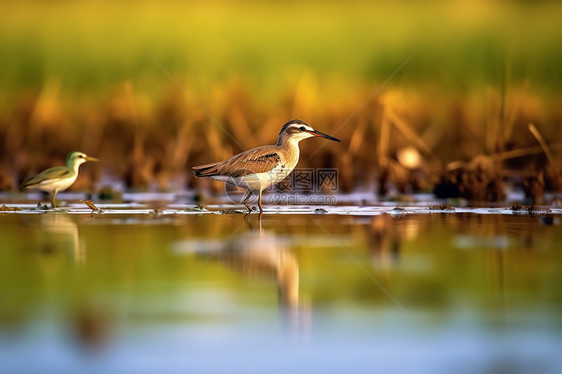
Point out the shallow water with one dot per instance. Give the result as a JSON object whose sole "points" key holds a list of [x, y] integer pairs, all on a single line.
{"points": [[357, 288]]}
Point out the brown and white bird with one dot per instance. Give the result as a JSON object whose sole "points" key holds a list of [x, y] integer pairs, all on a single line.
{"points": [[258, 168]]}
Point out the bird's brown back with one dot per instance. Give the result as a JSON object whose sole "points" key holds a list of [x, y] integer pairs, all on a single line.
{"points": [[258, 160]]}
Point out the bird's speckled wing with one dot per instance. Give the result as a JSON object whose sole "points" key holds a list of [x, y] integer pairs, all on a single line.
{"points": [[47, 175], [258, 160]]}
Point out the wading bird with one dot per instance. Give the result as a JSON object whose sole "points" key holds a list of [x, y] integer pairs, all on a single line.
{"points": [[258, 168], [58, 178]]}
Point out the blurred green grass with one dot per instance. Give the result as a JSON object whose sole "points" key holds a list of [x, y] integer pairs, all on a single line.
{"points": [[92, 45]]}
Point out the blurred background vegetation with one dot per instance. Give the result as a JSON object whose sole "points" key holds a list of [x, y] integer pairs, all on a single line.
{"points": [[424, 94]]}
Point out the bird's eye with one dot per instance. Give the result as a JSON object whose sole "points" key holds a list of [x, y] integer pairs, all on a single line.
{"points": [[303, 128]]}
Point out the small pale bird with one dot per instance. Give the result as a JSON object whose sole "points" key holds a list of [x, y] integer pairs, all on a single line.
{"points": [[58, 178], [258, 168]]}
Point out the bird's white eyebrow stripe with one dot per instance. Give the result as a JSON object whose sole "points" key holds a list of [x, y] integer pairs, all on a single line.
{"points": [[299, 125]]}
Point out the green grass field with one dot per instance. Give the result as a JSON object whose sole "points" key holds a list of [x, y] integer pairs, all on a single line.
{"points": [[264, 45]]}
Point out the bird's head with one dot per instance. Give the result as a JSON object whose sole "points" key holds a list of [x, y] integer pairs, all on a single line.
{"points": [[78, 158], [297, 130]]}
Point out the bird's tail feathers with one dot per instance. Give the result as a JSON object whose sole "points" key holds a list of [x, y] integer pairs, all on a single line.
{"points": [[207, 170]]}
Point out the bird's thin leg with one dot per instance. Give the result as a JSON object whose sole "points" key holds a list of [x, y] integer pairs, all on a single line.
{"points": [[246, 197], [53, 204], [259, 203]]}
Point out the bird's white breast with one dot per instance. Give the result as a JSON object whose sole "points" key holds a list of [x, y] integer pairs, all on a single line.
{"points": [[258, 181], [51, 185], [274, 176]]}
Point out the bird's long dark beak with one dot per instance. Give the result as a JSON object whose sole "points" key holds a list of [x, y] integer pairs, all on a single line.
{"points": [[325, 136]]}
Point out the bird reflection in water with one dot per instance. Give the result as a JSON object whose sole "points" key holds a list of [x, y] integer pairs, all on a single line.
{"points": [[90, 321], [60, 233], [262, 256]]}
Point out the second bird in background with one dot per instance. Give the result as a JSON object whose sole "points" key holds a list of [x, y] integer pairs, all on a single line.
{"points": [[58, 178], [258, 168]]}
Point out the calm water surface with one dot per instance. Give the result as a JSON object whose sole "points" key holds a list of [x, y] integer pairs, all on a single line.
{"points": [[134, 293]]}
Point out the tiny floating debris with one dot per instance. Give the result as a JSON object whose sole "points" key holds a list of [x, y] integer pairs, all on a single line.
{"points": [[232, 211], [156, 212], [397, 211], [529, 209], [198, 208], [516, 207], [4, 208], [90, 204], [442, 207]]}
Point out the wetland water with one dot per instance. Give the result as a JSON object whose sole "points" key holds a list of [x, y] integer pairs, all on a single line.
{"points": [[131, 291]]}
